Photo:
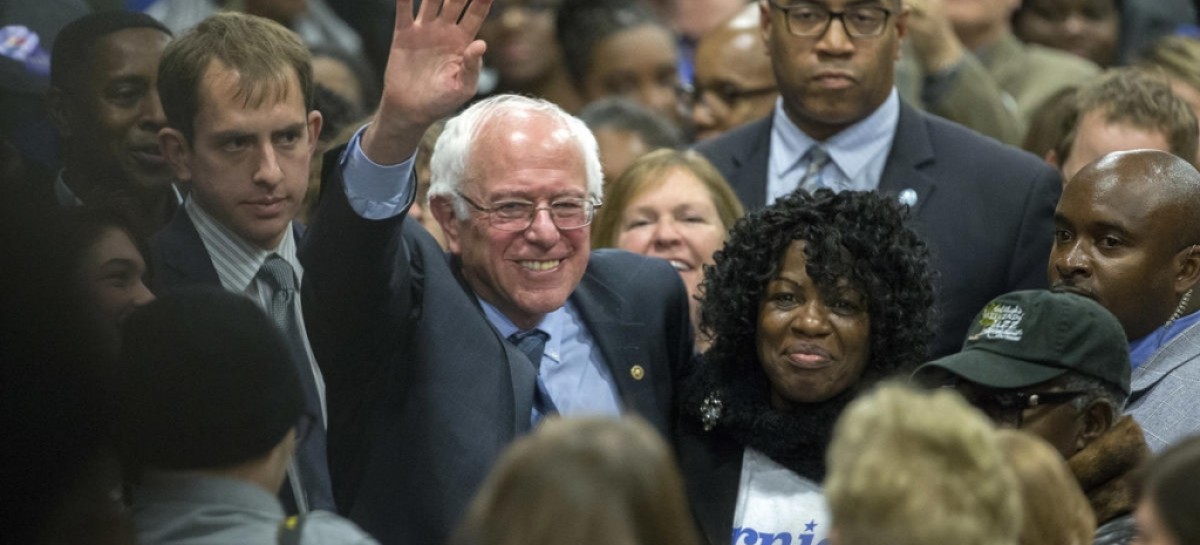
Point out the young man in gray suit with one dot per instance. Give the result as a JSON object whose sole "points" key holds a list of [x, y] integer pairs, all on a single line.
{"points": [[1126, 235], [434, 362], [983, 208]]}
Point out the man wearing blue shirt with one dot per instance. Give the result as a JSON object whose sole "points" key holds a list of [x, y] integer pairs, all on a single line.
{"points": [[982, 207], [434, 362], [1126, 235]]}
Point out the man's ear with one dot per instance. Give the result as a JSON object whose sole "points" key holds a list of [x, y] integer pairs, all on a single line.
{"points": [[1097, 419], [57, 109], [315, 121], [1187, 269], [442, 209], [177, 152]]}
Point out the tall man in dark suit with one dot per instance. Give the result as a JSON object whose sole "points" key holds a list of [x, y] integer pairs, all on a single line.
{"points": [[237, 91], [984, 209], [435, 362]]}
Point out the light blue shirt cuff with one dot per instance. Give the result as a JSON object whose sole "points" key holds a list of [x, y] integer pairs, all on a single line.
{"points": [[376, 191]]}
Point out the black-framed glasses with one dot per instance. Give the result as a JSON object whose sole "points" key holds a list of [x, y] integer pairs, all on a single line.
{"points": [[304, 425], [813, 20], [727, 94], [517, 215], [1007, 408]]}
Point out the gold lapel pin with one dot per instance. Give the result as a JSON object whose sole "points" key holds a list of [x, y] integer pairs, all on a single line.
{"points": [[637, 372]]}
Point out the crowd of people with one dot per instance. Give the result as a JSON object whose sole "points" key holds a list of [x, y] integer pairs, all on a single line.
{"points": [[282, 275]]}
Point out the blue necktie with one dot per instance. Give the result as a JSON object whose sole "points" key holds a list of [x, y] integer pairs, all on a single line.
{"points": [[310, 460], [533, 344]]}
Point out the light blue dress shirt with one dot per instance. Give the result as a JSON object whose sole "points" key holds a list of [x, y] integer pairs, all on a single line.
{"points": [[572, 367], [857, 154]]}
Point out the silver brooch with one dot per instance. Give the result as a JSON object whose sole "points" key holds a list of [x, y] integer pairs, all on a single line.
{"points": [[710, 411]]}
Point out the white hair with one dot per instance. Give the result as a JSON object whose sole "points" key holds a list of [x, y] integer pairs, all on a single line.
{"points": [[452, 152]]}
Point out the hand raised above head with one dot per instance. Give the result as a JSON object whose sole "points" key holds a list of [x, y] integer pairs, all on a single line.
{"points": [[432, 69]]}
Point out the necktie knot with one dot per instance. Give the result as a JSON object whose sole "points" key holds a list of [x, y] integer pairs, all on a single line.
{"points": [[278, 273], [532, 343], [817, 159]]}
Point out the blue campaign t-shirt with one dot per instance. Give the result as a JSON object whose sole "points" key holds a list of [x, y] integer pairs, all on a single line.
{"points": [[777, 507]]}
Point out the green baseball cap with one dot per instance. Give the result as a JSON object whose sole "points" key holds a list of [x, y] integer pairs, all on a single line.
{"points": [[1027, 337]]}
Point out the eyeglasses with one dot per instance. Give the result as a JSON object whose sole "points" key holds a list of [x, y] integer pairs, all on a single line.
{"points": [[1008, 408], [813, 20], [304, 426], [516, 215], [727, 95]]}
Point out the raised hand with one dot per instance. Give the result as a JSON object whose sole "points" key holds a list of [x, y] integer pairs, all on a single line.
{"points": [[932, 36], [432, 69]]}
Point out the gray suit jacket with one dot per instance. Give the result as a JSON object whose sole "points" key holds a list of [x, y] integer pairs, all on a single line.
{"points": [[423, 393], [986, 210], [1165, 390]]}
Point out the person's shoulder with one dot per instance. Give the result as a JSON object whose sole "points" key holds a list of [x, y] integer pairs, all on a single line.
{"points": [[734, 139], [1061, 63], [631, 273], [945, 134], [325, 528], [616, 263]]}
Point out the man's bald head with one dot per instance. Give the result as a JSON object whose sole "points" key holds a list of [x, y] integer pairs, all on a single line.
{"points": [[1169, 183], [734, 80], [1126, 235]]}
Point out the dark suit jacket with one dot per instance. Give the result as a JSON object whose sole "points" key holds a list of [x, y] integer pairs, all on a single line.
{"points": [[178, 257], [985, 209], [424, 393], [712, 469]]}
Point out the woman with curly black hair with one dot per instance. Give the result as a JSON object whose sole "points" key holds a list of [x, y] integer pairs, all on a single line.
{"points": [[812, 300]]}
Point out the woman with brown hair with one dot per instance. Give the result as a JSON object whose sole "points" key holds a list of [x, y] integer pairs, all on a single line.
{"points": [[583, 481], [674, 205]]}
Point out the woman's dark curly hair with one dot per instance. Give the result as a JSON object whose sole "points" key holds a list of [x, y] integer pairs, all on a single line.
{"points": [[858, 236]]}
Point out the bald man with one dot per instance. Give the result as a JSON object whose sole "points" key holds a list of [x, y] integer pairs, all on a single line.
{"points": [[1126, 235], [733, 81]]}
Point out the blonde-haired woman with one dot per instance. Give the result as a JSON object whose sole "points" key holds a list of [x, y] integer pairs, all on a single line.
{"points": [[674, 205], [1056, 511]]}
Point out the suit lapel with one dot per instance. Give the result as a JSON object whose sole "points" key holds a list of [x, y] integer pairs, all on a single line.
{"points": [[750, 164], [713, 468], [1180, 350], [604, 312], [911, 153], [520, 369]]}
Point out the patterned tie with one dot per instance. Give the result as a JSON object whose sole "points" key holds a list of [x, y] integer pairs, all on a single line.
{"points": [[310, 460], [817, 159], [533, 344]]}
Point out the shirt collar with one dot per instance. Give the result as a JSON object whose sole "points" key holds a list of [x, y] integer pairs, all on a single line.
{"points": [[237, 261], [552, 324], [847, 149], [1143, 349]]}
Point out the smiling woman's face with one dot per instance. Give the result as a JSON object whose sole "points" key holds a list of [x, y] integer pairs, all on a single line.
{"points": [[810, 347], [677, 221]]}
